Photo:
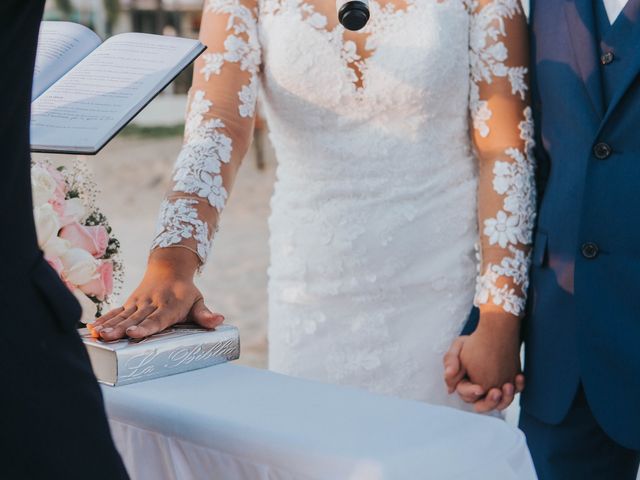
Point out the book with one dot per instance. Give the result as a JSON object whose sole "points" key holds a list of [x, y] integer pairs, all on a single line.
{"points": [[181, 348], [85, 90]]}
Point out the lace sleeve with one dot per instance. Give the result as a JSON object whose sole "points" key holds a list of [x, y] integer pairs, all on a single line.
{"points": [[503, 139], [218, 127]]}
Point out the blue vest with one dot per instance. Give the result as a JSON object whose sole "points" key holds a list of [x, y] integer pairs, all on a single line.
{"points": [[583, 324]]}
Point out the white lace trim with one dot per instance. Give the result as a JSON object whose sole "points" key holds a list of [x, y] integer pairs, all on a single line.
{"points": [[242, 21], [178, 221], [199, 163], [512, 226], [488, 55], [207, 147], [384, 16], [516, 268]]}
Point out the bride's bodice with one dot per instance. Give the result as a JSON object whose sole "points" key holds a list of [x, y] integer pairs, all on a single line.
{"points": [[413, 69], [397, 108], [400, 102]]}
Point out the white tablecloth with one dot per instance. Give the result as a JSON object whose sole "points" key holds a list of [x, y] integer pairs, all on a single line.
{"points": [[235, 423]]}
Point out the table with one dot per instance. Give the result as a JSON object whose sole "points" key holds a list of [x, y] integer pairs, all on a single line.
{"points": [[230, 422]]}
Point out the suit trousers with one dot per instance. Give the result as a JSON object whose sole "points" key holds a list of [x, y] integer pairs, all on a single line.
{"points": [[577, 448]]}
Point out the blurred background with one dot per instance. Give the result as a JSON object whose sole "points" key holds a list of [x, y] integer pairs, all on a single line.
{"points": [[133, 172]]}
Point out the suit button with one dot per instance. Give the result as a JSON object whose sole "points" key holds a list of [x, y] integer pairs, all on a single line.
{"points": [[606, 58], [590, 250], [602, 151]]}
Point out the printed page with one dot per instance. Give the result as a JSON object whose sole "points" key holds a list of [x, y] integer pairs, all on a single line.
{"points": [[86, 107], [61, 45]]}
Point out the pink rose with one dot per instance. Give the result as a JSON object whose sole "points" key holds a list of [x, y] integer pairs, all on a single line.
{"points": [[58, 207], [55, 263], [61, 186], [102, 285], [58, 266], [70, 211], [91, 239]]}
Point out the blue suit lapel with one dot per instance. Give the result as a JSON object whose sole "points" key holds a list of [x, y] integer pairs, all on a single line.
{"points": [[626, 67], [582, 29]]}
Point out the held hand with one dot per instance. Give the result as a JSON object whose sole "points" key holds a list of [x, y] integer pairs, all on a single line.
{"points": [[491, 357], [494, 399], [491, 354], [166, 296]]}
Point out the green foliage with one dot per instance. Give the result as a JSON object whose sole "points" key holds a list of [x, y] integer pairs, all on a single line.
{"points": [[65, 7], [133, 130], [112, 9]]}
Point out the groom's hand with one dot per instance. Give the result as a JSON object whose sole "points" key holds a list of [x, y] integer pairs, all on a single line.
{"points": [[166, 296], [484, 368]]}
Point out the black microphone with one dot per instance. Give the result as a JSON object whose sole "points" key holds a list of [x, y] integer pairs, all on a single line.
{"points": [[353, 14]]}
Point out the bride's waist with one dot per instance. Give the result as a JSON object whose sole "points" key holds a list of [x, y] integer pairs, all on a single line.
{"points": [[359, 152], [308, 182], [375, 208]]}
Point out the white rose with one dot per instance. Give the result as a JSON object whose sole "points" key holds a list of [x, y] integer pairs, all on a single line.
{"points": [[56, 247], [88, 307], [43, 185], [74, 211], [47, 224], [79, 266]]}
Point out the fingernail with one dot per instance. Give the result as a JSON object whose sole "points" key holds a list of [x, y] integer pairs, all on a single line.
{"points": [[132, 328], [106, 330], [448, 370], [496, 397], [98, 328], [220, 318]]}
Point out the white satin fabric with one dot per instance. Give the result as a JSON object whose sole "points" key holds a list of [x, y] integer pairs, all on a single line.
{"points": [[234, 423]]}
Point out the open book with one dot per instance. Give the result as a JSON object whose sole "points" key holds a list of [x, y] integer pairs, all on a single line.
{"points": [[86, 91]]}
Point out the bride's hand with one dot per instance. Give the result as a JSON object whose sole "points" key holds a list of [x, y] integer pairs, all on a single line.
{"points": [[167, 295]]}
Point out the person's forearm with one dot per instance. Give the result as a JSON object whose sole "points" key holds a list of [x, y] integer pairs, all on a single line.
{"points": [[496, 322], [175, 262]]}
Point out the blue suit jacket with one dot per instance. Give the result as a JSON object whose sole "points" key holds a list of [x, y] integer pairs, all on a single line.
{"points": [[583, 319], [583, 323]]}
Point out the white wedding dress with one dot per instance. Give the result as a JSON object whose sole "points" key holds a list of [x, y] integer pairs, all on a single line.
{"points": [[389, 142]]}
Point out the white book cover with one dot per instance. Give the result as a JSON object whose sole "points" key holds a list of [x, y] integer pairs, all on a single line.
{"points": [[179, 349]]}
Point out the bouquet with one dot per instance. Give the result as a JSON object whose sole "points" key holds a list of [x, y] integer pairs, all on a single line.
{"points": [[74, 235]]}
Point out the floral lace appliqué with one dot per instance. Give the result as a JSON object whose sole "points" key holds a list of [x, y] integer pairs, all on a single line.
{"points": [[512, 226], [488, 55], [178, 222], [208, 145], [246, 52]]}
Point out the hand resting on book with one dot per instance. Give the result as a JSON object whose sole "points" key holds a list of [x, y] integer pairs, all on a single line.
{"points": [[166, 296]]}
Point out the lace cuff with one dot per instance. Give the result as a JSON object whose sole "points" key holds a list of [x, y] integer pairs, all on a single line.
{"points": [[180, 224]]}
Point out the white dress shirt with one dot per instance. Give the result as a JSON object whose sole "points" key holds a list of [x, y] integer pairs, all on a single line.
{"points": [[614, 7]]}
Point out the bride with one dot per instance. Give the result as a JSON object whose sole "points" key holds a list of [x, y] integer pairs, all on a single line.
{"points": [[400, 148]]}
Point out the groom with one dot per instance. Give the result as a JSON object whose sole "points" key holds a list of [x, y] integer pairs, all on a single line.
{"points": [[581, 406], [52, 421]]}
